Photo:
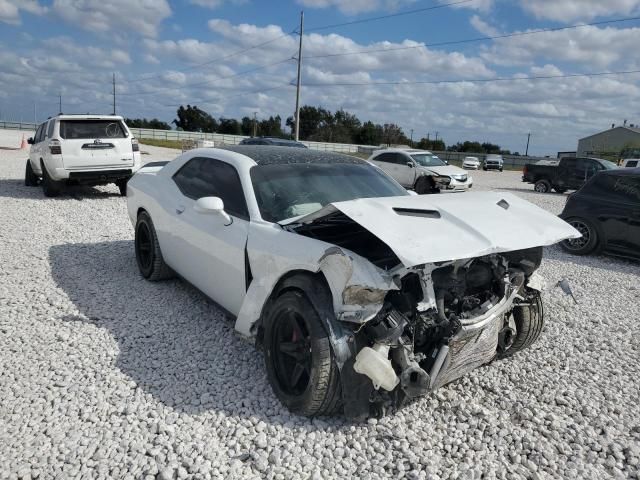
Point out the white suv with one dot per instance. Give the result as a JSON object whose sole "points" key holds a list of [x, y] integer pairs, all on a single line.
{"points": [[82, 149], [421, 171]]}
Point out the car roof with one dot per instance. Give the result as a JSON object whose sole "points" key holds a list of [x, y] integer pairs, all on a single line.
{"points": [[401, 150], [86, 116], [277, 155], [622, 172]]}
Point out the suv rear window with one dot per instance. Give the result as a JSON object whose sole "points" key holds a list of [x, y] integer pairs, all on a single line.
{"points": [[71, 129]]}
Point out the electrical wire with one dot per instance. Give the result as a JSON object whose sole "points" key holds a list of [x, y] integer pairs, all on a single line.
{"points": [[392, 15], [475, 80], [219, 59], [472, 40], [207, 82], [262, 90]]}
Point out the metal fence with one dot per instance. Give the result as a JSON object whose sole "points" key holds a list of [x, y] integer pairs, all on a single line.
{"points": [[18, 125], [509, 160]]}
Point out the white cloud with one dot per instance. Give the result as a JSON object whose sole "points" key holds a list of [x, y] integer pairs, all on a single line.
{"points": [[353, 7], [10, 10], [138, 17], [570, 10], [479, 5], [592, 47], [483, 27], [213, 4]]}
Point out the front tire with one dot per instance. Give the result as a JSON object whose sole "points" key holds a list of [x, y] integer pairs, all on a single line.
{"points": [[148, 254], [30, 177], [587, 243], [298, 357], [542, 186], [426, 185], [529, 322]]}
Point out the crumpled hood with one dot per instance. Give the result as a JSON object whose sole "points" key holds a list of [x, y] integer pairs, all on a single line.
{"points": [[445, 170], [437, 228]]}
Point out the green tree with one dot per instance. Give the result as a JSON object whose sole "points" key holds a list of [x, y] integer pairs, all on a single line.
{"points": [[192, 119], [144, 123], [229, 126], [369, 134]]}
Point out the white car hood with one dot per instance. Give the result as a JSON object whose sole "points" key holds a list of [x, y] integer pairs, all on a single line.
{"points": [[445, 170], [437, 228]]}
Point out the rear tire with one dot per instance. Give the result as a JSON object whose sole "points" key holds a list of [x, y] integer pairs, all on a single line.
{"points": [[529, 322], [587, 243], [50, 187], [148, 254], [542, 186], [122, 186], [298, 357], [30, 177]]}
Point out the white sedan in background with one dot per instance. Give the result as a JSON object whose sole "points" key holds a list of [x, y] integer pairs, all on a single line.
{"points": [[471, 163], [361, 295]]}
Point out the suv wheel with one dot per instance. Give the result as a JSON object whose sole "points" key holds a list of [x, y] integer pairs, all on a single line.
{"points": [[298, 357], [585, 244], [528, 321], [122, 186], [542, 186], [426, 185], [50, 187], [30, 177]]}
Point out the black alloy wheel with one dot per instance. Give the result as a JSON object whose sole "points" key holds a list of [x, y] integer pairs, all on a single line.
{"points": [[292, 352]]}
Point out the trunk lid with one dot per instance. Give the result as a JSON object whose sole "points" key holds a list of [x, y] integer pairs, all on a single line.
{"points": [[437, 228], [95, 143]]}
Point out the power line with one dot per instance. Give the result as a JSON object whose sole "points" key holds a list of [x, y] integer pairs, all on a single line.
{"points": [[226, 97], [475, 80], [219, 59], [207, 82], [476, 39], [392, 15]]}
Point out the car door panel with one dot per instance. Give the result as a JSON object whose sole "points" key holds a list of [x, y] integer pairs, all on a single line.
{"points": [[406, 174]]}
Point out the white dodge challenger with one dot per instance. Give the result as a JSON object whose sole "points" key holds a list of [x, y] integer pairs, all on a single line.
{"points": [[361, 295]]}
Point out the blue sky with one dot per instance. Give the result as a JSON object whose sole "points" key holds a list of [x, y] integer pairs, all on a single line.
{"points": [[157, 50]]}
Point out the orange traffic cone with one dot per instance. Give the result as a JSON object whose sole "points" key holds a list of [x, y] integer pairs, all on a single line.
{"points": [[24, 143]]}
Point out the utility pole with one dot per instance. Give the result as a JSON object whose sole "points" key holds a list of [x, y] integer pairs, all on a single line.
{"points": [[35, 114], [114, 93], [297, 134], [436, 137], [255, 125], [526, 154], [411, 140], [60, 99]]}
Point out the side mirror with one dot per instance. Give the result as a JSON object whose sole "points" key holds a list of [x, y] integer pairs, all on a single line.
{"points": [[410, 164], [30, 140], [212, 205]]}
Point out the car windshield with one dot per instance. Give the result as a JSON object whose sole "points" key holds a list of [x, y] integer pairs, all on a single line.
{"points": [[290, 190], [608, 165], [427, 160]]}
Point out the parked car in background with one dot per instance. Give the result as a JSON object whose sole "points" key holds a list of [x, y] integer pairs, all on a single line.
{"points": [[280, 142], [606, 211], [471, 163], [82, 149], [631, 163], [493, 162], [360, 295], [421, 170], [571, 173]]}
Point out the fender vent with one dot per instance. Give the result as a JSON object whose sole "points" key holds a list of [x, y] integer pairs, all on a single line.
{"points": [[414, 212]]}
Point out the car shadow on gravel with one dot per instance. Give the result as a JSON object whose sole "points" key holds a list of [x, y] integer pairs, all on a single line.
{"points": [[10, 188], [173, 342]]}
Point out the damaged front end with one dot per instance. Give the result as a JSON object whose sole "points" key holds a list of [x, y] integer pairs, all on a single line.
{"points": [[435, 319]]}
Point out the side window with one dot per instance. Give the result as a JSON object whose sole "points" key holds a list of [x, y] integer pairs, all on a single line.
{"points": [[627, 188], [207, 177], [632, 164], [38, 137], [400, 159], [385, 158], [50, 128], [570, 163]]}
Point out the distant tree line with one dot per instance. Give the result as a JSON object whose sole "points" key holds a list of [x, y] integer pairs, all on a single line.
{"points": [[316, 124]]}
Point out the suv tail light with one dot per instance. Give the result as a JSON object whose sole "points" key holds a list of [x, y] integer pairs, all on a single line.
{"points": [[54, 147], [134, 145]]}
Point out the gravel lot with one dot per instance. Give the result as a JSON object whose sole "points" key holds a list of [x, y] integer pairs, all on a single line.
{"points": [[104, 375]]}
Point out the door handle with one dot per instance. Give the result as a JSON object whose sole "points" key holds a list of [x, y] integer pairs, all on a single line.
{"points": [[180, 209]]}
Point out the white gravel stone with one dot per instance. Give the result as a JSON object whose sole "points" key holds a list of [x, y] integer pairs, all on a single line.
{"points": [[105, 375]]}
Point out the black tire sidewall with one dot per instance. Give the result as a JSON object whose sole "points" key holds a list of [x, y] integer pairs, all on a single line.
{"points": [[30, 178], [50, 187], [319, 340], [145, 219], [591, 245], [545, 183]]}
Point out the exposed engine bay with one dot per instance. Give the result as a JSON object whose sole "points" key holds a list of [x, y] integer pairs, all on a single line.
{"points": [[444, 321]]}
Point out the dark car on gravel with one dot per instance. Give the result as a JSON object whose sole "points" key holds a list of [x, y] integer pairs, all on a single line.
{"points": [[606, 211], [571, 173]]}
